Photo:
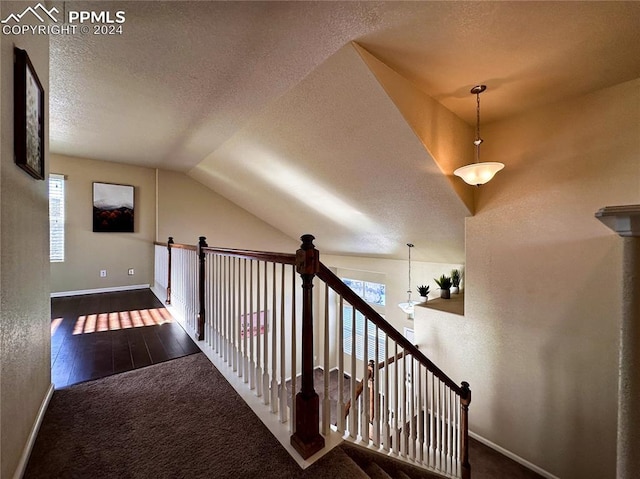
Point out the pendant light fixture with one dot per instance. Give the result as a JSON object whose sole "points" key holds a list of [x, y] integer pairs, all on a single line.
{"points": [[408, 306], [478, 173]]}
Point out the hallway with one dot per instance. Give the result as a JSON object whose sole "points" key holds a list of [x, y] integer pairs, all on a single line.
{"points": [[98, 335]]}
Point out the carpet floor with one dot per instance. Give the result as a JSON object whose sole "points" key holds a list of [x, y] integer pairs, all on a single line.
{"points": [[182, 419], [179, 419]]}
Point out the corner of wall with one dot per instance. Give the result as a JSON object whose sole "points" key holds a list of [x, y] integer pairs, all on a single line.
{"points": [[438, 128]]}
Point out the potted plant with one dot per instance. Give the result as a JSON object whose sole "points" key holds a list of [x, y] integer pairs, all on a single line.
{"points": [[423, 291], [445, 286], [455, 281]]}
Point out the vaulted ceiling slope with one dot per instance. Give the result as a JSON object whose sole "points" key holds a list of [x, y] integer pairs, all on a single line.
{"points": [[334, 157], [265, 101]]}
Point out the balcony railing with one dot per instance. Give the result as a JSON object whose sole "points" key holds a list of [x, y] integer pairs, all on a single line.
{"points": [[264, 314]]}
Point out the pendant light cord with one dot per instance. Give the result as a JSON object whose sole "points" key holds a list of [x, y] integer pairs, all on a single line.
{"points": [[409, 289], [478, 140]]}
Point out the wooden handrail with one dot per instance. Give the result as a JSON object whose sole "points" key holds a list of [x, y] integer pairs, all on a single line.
{"points": [[177, 245], [391, 360], [326, 275], [282, 258]]}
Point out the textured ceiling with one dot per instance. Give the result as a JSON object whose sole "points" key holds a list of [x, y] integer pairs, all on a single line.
{"points": [[233, 92]]}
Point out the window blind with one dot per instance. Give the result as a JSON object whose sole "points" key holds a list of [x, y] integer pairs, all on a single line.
{"points": [[56, 217], [347, 313]]}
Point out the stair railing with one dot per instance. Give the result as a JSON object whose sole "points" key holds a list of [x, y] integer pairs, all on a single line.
{"points": [[420, 414], [246, 306]]}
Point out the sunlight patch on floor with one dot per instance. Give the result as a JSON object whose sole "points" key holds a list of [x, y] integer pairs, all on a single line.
{"points": [[55, 324], [92, 323]]}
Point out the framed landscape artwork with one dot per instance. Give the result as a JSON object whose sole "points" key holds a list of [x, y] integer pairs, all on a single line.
{"points": [[113, 210], [28, 116]]}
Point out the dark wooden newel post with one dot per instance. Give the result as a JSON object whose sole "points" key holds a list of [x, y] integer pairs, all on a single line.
{"points": [[307, 439], [465, 400], [169, 243], [201, 258]]}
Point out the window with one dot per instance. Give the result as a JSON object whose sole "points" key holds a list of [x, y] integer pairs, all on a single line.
{"points": [[347, 312], [374, 294], [56, 218]]}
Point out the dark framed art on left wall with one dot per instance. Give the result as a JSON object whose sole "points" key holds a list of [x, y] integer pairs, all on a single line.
{"points": [[29, 121]]}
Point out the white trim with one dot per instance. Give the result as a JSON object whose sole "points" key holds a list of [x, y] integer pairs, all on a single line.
{"points": [[112, 289], [512, 456], [26, 452]]}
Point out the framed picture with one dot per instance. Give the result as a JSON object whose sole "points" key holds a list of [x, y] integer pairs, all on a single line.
{"points": [[112, 208], [28, 116]]}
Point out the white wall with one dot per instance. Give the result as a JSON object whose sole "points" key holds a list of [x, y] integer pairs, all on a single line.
{"points": [[24, 265], [539, 339]]}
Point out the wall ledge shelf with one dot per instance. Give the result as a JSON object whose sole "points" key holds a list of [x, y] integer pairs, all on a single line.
{"points": [[455, 305]]}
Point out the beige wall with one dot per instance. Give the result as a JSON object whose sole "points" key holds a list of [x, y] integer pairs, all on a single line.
{"points": [[187, 209], [86, 252], [24, 267], [445, 136], [539, 341]]}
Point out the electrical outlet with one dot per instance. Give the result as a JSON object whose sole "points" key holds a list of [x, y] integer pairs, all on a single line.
{"points": [[131, 271], [103, 273]]}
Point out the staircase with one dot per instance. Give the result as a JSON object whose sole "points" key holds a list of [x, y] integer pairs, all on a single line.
{"points": [[259, 315], [376, 466]]}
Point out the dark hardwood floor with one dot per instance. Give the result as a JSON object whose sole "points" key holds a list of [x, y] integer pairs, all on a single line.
{"points": [[97, 335]]}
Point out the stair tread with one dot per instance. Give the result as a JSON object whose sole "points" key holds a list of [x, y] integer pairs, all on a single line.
{"points": [[390, 465], [374, 471], [341, 463], [402, 475]]}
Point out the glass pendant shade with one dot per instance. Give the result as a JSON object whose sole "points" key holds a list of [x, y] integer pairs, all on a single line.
{"points": [[478, 173], [407, 307]]}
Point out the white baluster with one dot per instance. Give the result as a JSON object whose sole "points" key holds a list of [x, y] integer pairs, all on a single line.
{"points": [[353, 411], [376, 392], [421, 414], [439, 423], [252, 362], [340, 352], [258, 328], [387, 404], [396, 401], [274, 339], [265, 340], [283, 348], [219, 309], [326, 403], [403, 403], [209, 313], [245, 323], [364, 419], [412, 408], [294, 358], [227, 317], [237, 318]]}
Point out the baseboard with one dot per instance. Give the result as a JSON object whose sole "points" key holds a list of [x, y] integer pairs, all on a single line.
{"points": [[26, 452], [512, 456], [112, 289]]}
